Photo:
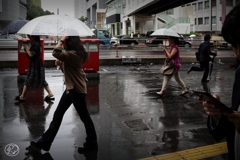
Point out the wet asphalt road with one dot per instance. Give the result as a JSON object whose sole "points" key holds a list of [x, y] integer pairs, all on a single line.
{"points": [[131, 121]]}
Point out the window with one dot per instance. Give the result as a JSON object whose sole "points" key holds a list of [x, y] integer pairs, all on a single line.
{"points": [[194, 6], [22, 11], [206, 4], [213, 3], [214, 20], [169, 12], [200, 5], [200, 21], [195, 21], [229, 3], [206, 20]]}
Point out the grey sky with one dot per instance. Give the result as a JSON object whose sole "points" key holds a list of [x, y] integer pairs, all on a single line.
{"points": [[64, 6]]}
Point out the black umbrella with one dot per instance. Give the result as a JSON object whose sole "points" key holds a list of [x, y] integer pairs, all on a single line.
{"points": [[14, 27], [211, 66]]}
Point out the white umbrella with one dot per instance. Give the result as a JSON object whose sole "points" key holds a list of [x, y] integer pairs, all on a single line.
{"points": [[56, 25], [192, 35], [165, 32]]}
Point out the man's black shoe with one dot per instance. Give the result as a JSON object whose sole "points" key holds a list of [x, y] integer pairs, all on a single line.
{"points": [[205, 81], [189, 70], [41, 146], [87, 148]]}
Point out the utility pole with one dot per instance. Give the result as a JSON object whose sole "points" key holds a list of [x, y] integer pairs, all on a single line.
{"points": [[211, 18], [57, 14]]}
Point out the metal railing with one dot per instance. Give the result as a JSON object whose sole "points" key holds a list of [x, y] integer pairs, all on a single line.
{"points": [[176, 21]]}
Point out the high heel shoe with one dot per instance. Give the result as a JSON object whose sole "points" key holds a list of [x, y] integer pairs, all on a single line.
{"points": [[39, 145], [47, 98], [18, 98]]}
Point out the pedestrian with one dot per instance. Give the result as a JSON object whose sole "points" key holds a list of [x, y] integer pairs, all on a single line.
{"points": [[71, 60], [173, 54], [223, 125], [36, 72], [205, 52], [139, 36], [131, 35]]}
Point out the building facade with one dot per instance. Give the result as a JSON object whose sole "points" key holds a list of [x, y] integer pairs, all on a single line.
{"points": [[94, 10], [80, 8], [209, 15], [202, 16], [11, 10], [96, 14]]}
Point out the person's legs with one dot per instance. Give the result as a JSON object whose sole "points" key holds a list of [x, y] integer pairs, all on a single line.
{"points": [[180, 82], [164, 85], [195, 68], [79, 103], [47, 88], [48, 137], [24, 92], [206, 71]]}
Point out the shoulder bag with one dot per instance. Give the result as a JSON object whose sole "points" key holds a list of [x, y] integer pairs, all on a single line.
{"points": [[168, 68]]}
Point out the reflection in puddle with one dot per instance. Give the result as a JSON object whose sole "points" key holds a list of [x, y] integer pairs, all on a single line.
{"points": [[33, 112]]}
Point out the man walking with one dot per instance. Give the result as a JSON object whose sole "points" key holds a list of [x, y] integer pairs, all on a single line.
{"points": [[205, 52]]}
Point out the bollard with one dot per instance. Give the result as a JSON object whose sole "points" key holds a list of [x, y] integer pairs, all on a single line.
{"points": [[116, 50]]}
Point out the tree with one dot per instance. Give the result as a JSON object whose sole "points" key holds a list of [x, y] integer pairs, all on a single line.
{"points": [[83, 19], [48, 12], [36, 11]]}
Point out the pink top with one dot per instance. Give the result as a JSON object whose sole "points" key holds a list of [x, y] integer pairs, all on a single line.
{"points": [[176, 58]]}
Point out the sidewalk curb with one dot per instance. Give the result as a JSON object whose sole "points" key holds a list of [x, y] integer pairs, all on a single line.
{"points": [[118, 61]]}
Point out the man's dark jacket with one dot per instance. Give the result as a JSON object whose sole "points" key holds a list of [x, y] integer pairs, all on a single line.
{"points": [[205, 52]]}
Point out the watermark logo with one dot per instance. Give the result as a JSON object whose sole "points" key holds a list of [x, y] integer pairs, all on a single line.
{"points": [[11, 149]]}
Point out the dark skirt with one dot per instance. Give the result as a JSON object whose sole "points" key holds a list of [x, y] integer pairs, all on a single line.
{"points": [[36, 74]]}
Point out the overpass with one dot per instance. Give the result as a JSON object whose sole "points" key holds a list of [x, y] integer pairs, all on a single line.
{"points": [[157, 6], [137, 13]]}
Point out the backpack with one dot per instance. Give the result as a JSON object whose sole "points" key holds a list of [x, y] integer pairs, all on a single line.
{"points": [[197, 55]]}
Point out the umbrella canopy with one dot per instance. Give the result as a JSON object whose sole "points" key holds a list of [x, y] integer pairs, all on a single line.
{"points": [[165, 32], [56, 25], [13, 27]]}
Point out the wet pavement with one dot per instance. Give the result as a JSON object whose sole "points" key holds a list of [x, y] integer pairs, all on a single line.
{"points": [[131, 121]]}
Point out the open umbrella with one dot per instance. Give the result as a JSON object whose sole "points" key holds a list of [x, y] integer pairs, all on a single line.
{"points": [[56, 25], [165, 32], [14, 27]]}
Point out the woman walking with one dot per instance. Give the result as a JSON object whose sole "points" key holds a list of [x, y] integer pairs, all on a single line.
{"points": [[173, 54], [71, 61], [36, 73]]}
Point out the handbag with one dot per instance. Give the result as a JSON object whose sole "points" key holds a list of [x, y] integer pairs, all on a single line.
{"points": [[168, 68]]}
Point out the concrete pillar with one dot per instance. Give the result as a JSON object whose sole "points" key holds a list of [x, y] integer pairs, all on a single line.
{"points": [[155, 21], [124, 31], [133, 24], [90, 21], [144, 26]]}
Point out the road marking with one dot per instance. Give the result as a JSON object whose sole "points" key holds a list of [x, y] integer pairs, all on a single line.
{"points": [[104, 70], [194, 153]]}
